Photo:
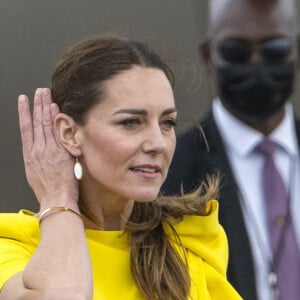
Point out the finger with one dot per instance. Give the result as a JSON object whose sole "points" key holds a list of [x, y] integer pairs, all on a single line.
{"points": [[47, 119], [25, 124], [54, 112], [38, 128]]}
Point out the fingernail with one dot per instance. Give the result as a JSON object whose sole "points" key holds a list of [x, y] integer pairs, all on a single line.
{"points": [[38, 91], [22, 98]]}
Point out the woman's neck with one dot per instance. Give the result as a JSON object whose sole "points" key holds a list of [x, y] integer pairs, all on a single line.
{"points": [[104, 212]]}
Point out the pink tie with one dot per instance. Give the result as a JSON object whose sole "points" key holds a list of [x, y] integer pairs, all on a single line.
{"points": [[285, 267]]}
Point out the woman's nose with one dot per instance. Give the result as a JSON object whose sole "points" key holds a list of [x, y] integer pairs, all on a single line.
{"points": [[155, 141]]}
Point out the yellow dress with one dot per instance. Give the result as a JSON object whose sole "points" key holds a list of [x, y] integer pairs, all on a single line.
{"points": [[202, 236]]}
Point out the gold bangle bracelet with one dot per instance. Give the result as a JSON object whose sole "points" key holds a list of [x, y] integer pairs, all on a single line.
{"points": [[44, 214]]}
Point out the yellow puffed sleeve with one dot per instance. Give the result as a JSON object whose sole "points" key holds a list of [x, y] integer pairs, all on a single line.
{"points": [[206, 247]]}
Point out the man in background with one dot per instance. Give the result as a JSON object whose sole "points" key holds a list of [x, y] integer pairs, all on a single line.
{"points": [[251, 139]]}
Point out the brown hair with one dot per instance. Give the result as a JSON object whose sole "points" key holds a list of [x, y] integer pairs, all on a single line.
{"points": [[77, 78], [160, 272]]}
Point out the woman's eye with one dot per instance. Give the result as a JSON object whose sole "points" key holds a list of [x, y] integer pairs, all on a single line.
{"points": [[130, 123], [169, 123]]}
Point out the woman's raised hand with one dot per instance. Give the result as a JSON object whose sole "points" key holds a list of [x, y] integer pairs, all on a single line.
{"points": [[51, 272], [48, 165]]}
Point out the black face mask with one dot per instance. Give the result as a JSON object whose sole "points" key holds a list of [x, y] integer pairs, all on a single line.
{"points": [[255, 92]]}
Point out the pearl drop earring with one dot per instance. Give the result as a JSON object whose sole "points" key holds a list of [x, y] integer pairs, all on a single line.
{"points": [[78, 169]]}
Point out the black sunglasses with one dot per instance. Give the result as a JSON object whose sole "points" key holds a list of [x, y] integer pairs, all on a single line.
{"points": [[273, 51]]}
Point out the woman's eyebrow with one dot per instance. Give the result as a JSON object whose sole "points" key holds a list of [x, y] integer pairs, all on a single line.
{"points": [[133, 111], [169, 111], [136, 111]]}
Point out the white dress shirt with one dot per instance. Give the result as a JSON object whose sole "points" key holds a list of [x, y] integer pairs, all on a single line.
{"points": [[240, 141]]}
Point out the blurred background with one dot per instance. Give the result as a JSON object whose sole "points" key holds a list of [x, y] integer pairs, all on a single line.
{"points": [[34, 34]]}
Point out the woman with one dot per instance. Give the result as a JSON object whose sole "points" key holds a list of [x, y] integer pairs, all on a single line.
{"points": [[101, 232]]}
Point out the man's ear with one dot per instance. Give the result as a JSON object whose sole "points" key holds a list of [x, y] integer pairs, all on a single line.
{"points": [[68, 133], [204, 52], [298, 49]]}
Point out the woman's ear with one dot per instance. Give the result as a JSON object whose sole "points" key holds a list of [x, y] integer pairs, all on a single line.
{"points": [[68, 133]]}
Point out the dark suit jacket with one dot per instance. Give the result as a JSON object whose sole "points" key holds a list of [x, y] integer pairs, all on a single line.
{"points": [[191, 164]]}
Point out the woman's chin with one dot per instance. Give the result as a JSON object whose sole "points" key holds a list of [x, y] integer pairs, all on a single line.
{"points": [[145, 196]]}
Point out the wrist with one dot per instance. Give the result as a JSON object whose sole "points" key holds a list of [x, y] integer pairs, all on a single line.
{"points": [[60, 201], [56, 209]]}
